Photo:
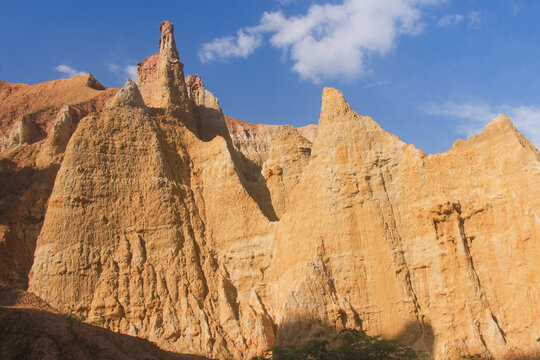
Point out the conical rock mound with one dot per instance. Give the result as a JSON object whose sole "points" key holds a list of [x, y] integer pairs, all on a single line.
{"points": [[128, 96]]}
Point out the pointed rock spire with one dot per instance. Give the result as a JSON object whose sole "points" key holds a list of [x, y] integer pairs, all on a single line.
{"points": [[93, 83], [24, 131], [501, 126], [333, 106], [170, 88], [129, 96], [167, 45]]}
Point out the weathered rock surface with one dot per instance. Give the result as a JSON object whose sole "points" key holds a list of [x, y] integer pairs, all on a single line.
{"points": [[36, 122], [147, 243], [288, 156], [128, 96], [210, 235], [252, 140], [40, 100], [410, 240], [167, 87], [32, 329]]}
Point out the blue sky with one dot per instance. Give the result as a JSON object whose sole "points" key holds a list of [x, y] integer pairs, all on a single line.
{"points": [[429, 71]]}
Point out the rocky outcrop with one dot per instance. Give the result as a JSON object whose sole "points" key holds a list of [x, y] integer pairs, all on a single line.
{"points": [[24, 131], [210, 118], [170, 86], [147, 77], [32, 329], [36, 123], [289, 154], [128, 96], [41, 102], [264, 150], [223, 243], [409, 239], [162, 79], [138, 182], [252, 140]]}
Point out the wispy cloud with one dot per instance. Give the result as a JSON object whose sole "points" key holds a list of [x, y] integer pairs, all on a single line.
{"points": [[69, 71], [375, 84], [285, 2], [131, 71], [472, 19], [471, 118], [450, 19], [328, 41], [113, 67], [242, 45], [128, 71]]}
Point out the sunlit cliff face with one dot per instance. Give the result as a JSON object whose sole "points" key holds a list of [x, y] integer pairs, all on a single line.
{"points": [[209, 235]]}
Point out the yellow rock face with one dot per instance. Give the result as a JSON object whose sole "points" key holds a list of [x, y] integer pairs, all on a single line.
{"points": [[36, 122], [436, 250], [159, 220]]}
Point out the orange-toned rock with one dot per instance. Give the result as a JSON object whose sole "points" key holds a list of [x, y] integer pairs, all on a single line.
{"points": [[31, 328], [161, 78], [150, 195], [223, 244], [288, 156], [420, 247], [36, 122]]}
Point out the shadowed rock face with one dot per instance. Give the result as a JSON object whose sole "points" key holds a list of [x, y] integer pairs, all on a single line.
{"points": [[31, 329], [222, 243]]}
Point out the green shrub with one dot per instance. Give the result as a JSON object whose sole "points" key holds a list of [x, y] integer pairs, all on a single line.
{"points": [[355, 345], [100, 321]]}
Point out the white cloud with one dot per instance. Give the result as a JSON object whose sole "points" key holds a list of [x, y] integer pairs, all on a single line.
{"points": [[131, 71], [473, 18], [473, 117], [244, 44], [449, 19], [285, 2], [328, 41], [68, 71]]}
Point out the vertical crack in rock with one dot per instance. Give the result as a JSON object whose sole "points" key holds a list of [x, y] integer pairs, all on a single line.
{"points": [[398, 249]]}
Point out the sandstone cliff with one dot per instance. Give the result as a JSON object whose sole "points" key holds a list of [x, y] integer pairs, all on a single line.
{"points": [[210, 235], [413, 242], [36, 122]]}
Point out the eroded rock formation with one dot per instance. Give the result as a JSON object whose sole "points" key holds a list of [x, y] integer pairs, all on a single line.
{"points": [[36, 123], [31, 329], [213, 236]]}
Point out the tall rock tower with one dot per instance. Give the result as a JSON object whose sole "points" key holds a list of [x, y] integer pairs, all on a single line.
{"points": [[161, 79]]}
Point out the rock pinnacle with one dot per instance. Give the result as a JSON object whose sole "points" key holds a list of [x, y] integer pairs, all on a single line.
{"points": [[170, 88], [167, 45]]}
